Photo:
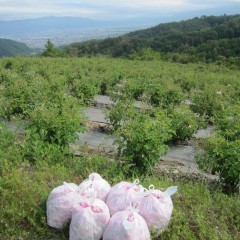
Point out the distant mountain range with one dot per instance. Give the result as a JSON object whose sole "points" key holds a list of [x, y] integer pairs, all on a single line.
{"points": [[12, 48], [43, 25], [49, 24]]}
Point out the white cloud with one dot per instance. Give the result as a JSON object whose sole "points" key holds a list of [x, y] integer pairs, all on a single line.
{"points": [[43, 10], [34, 8], [10, 9]]}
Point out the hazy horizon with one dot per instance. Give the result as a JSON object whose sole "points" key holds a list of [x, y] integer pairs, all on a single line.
{"points": [[110, 18], [117, 10]]}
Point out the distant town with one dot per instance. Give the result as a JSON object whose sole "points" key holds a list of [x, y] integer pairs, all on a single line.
{"points": [[60, 38]]}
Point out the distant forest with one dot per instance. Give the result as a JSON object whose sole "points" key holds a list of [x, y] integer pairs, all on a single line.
{"points": [[206, 38]]}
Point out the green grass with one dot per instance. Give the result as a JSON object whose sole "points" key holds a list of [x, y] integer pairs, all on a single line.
{"points": [[199, 213]]}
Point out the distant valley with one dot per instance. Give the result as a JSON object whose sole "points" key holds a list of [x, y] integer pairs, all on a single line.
{"points": [[64, 30], [60, 38]]}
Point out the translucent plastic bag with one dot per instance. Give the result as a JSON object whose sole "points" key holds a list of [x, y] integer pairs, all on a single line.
{"points": [[127, 225], [89, 219], [100, 185], [60, 203], [156, 207], [122, 195]]}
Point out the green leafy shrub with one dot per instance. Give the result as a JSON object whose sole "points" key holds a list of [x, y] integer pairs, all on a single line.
{"points": [[228, 122], [83, 90], [134, 89], [108, 83], [184, 122], [8, 64], [164, 97], [52, 127], [186, 84], [16, 100], [52, 51], [120, 112], [10, 154], [142, 139], [208, 102], [222, 152], [223, 157], [5, 78]]}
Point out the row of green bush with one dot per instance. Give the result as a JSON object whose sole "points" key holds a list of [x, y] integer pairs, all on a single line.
{"points": [[27, 81], [50, 94], [221, 151]]}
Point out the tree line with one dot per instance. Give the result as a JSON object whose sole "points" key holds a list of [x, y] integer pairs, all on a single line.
{"points": [[206, 38]]}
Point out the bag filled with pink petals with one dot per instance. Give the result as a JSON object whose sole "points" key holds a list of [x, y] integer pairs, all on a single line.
{"points": [[60, 203], [122, 195], [156, 207], [100, 185], [61, 200], [127, 225], [89, 219]]}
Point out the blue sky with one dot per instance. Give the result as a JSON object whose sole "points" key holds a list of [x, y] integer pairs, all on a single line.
{"points": [[113, 9]]}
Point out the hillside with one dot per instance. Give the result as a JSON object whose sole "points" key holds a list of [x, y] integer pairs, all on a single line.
{"points": [[9, 48], [206, 38], [42, 144]]}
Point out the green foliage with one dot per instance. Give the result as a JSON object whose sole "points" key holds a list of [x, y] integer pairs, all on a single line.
{"points": [[133, 89], [164, 97], [141, 140], [83, 90], [9, 48], [201, 214], [52, 127], [223, 157], [40, 91], [8, 144], [145, 54], [8, 65], [222, 153], [198, 39], [184, 123], [228, 123], [51, 50], [198, 213], [24, 191], [120, 112], [208, 102], [17, 101], [24, 187], [30, 170]]}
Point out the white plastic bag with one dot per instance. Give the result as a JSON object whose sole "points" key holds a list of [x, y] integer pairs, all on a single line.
{"points": [[156, 207], [122, 195], [100, 185], [89, 219], [126, 225], [60, 203]]}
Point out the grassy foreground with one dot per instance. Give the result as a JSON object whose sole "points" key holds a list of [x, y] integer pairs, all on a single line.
{"points": [[199, 213], [47, 91]]}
